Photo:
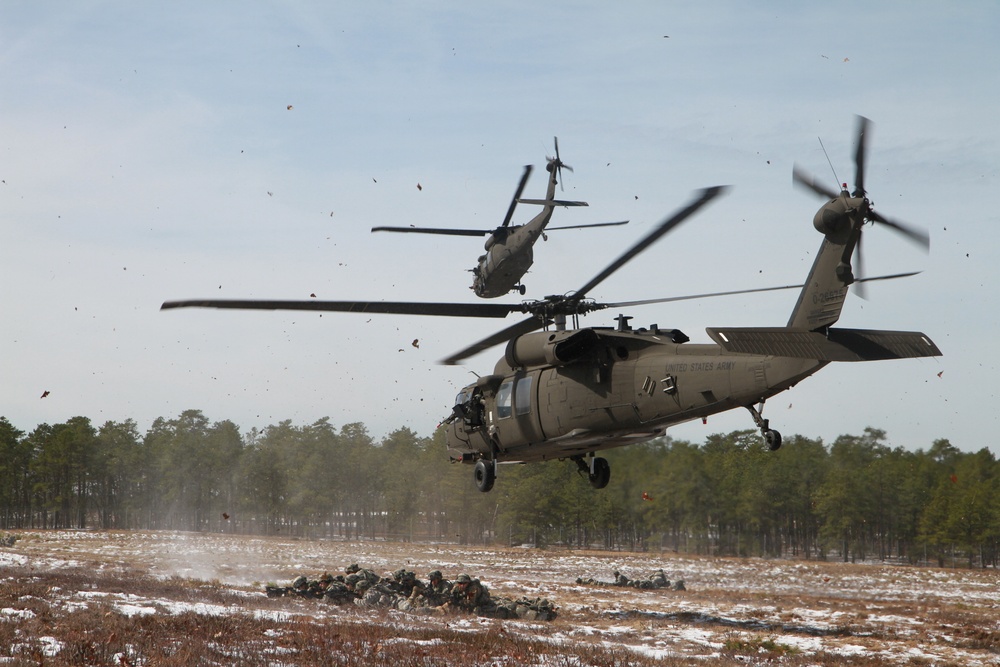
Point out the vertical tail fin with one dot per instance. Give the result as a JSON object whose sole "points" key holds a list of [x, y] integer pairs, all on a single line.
{"points": [[822, 297]]}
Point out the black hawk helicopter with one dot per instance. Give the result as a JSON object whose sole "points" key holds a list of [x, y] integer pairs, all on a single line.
{"points": [[571, 392], [509, 248]]}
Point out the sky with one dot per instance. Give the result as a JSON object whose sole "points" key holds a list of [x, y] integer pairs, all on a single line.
{"points": [[151, 152]]}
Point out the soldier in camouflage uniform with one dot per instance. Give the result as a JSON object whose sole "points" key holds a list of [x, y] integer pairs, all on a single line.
{"points": [[337, 591], [438, 589], [426, 598], [539, 609], [402, 590], [657, 579]]}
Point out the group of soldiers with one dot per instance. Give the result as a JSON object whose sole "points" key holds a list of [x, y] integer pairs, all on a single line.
{"points": [[404, 591], [657, 579]]}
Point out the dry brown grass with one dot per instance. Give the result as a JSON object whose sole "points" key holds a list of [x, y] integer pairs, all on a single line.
{"points": [[38, 618], [121, 605]]}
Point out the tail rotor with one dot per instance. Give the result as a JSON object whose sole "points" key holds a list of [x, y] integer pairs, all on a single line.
{"points": [[557, 164], [844, 216]]}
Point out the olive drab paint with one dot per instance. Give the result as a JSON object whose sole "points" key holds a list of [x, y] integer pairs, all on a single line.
{"points": [[561, 391]]}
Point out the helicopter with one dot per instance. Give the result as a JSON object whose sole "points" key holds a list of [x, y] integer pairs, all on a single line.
{"points": [[568, 393], [509, 248]]}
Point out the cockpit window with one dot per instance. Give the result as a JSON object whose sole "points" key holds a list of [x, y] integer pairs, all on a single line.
{"points": [[503, 399], [522, 397], [463, 397]]}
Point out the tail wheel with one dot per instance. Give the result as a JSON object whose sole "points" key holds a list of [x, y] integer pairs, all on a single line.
{"points": [[485, 474]]}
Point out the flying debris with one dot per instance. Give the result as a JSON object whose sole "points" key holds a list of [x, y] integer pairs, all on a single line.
{"points": [[562, 391]]}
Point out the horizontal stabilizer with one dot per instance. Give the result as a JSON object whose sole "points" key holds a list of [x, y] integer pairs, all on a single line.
{"points": [[552, 202], [834, 345]]}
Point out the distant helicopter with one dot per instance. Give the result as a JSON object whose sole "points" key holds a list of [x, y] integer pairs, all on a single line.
{"points": [[509, 248], [568, 393]]}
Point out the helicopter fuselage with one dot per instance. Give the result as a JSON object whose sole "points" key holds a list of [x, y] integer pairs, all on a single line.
{"points": [[509, 250], [570, 393], [509, 255]]}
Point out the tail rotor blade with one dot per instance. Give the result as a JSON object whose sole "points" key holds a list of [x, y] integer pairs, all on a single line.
{"points": [[559, 165], [859, 270], [912, 234], [859, 156], [806, 180]]}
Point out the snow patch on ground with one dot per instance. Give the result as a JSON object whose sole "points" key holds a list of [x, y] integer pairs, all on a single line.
{"points": [[814, 608]]}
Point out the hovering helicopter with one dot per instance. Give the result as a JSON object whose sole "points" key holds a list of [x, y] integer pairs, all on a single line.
{"points": [[509, 248], [571, 392]]}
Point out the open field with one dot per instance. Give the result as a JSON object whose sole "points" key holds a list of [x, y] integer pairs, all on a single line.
{"points": [[158, 598]]}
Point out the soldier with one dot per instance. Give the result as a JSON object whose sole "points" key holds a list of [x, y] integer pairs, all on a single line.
{"points": [[439, 586], [404, 582], [469, 594], [300, 585], [370, 575], [621, 579], [539, 609], [659, 579], [338, 592], [458, 591], [436, 593]]}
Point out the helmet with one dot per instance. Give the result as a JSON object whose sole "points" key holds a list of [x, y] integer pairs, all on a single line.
{"points": [[352, 568], [463, 579], [436, 574], [299, 582]]}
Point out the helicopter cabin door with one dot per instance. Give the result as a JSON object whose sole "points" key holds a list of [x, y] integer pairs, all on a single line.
{"points": [[518, 421]]}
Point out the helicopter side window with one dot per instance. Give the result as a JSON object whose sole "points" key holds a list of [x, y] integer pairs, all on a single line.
{"points": [[522, 397], [503, 399]]}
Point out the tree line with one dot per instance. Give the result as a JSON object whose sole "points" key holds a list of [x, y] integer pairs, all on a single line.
{"points": [[856, 498]]}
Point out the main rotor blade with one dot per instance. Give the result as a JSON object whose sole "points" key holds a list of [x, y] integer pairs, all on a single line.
{"points": [[914, 234], [859, 156], [434, 230], [705, 196], [389, 307], [552, 202], [522, 327], [690, 297], [517, 194], [806, 180], [595, 224]]}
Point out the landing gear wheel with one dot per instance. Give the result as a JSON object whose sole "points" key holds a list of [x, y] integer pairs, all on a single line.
{"points": [[773, 440], [485, 474], [602, 473]]}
